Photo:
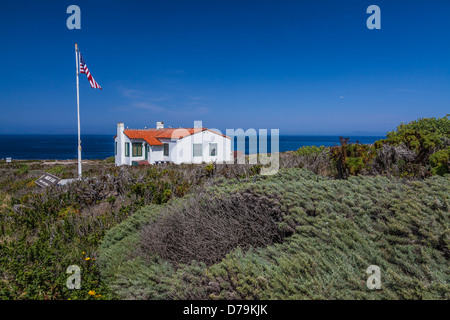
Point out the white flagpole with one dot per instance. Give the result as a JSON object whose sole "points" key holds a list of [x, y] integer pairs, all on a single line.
{"points": [[78, 111]]}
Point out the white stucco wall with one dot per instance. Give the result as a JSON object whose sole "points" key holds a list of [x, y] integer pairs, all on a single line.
{"points": [[120, 158], [156, 154], [183, 151]]}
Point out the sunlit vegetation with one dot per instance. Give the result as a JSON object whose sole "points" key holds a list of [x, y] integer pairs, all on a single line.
{"points": [[224, 231], [327, 233]]}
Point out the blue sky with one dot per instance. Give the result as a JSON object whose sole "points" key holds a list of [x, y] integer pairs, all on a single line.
{"points": [[304, 67]]}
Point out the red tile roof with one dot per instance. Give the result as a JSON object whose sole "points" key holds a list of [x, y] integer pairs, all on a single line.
{"points": [[152, 136], [147, 135]]}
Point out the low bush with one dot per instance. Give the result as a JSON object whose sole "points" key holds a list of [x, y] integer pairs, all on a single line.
{"points": [[423, 137], [23, 169], [110, 160], [60, 171], [310, 151], [440, 162]]}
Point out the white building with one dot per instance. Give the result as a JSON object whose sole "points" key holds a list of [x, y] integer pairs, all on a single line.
{"points": [[177, 145]]}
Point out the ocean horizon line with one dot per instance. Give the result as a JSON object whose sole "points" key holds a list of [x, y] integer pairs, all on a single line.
{"points": [[101, 146], [113, 134]]}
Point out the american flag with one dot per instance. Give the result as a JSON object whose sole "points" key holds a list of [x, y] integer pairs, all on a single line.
{"points": [[84, 69]]}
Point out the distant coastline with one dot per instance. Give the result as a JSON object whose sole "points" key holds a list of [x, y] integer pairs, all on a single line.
{"points": [[101, 146]]}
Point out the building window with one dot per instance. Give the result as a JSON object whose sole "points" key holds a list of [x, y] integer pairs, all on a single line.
{"points": [[166, 149], [127, 149], [198, 149], [137, 149], [213, 149], [115, 148]]}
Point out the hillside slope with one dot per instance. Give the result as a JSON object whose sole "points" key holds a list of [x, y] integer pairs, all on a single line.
{"points": [[328, 233]]}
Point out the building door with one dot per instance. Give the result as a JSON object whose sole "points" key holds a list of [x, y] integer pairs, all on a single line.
{"points": [[146, 151]]}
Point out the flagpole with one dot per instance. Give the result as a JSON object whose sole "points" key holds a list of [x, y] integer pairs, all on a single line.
{"points": [[78, 111]]}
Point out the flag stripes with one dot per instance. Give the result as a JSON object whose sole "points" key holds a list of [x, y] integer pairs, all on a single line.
{"points": [[84, 69]]}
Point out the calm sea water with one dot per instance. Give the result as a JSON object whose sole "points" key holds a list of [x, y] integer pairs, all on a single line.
{"points": [[63, 147]]}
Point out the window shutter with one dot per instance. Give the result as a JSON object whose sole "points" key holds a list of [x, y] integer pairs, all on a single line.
{"points": [[127, 149]]}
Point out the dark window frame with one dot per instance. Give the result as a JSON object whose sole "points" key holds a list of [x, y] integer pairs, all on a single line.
{"points": [[215, 148], [136, 152], [166, 150], [193, 149]]}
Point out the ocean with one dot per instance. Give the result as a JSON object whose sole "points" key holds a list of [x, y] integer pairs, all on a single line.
{"points": [[64, 147]]}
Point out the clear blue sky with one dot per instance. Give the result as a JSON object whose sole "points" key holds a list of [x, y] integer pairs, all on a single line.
{"points": [[304, 67]]}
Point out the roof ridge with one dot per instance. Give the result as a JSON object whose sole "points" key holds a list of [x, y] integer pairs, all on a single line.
{"points": [[152, 136]]}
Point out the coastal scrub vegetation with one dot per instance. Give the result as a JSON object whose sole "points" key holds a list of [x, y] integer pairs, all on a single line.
{"points": [[322, 234], [415, 150], [44, 231], [223, 231]]}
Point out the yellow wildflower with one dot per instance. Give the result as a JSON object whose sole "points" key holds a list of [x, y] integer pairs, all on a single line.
{"points": [[87, 259], [91, 292]]}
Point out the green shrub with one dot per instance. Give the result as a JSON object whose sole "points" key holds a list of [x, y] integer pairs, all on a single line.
{"points": [[23, 169], [309, 151], [424, 136], [60, 171], [351, 158], [438, 126], [354, 164], [209, 169], [110, 160], [440, 162]]}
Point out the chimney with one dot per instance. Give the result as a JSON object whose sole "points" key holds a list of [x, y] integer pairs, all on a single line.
{"points": [[120, 128], [159, 125], [119, 157]]}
